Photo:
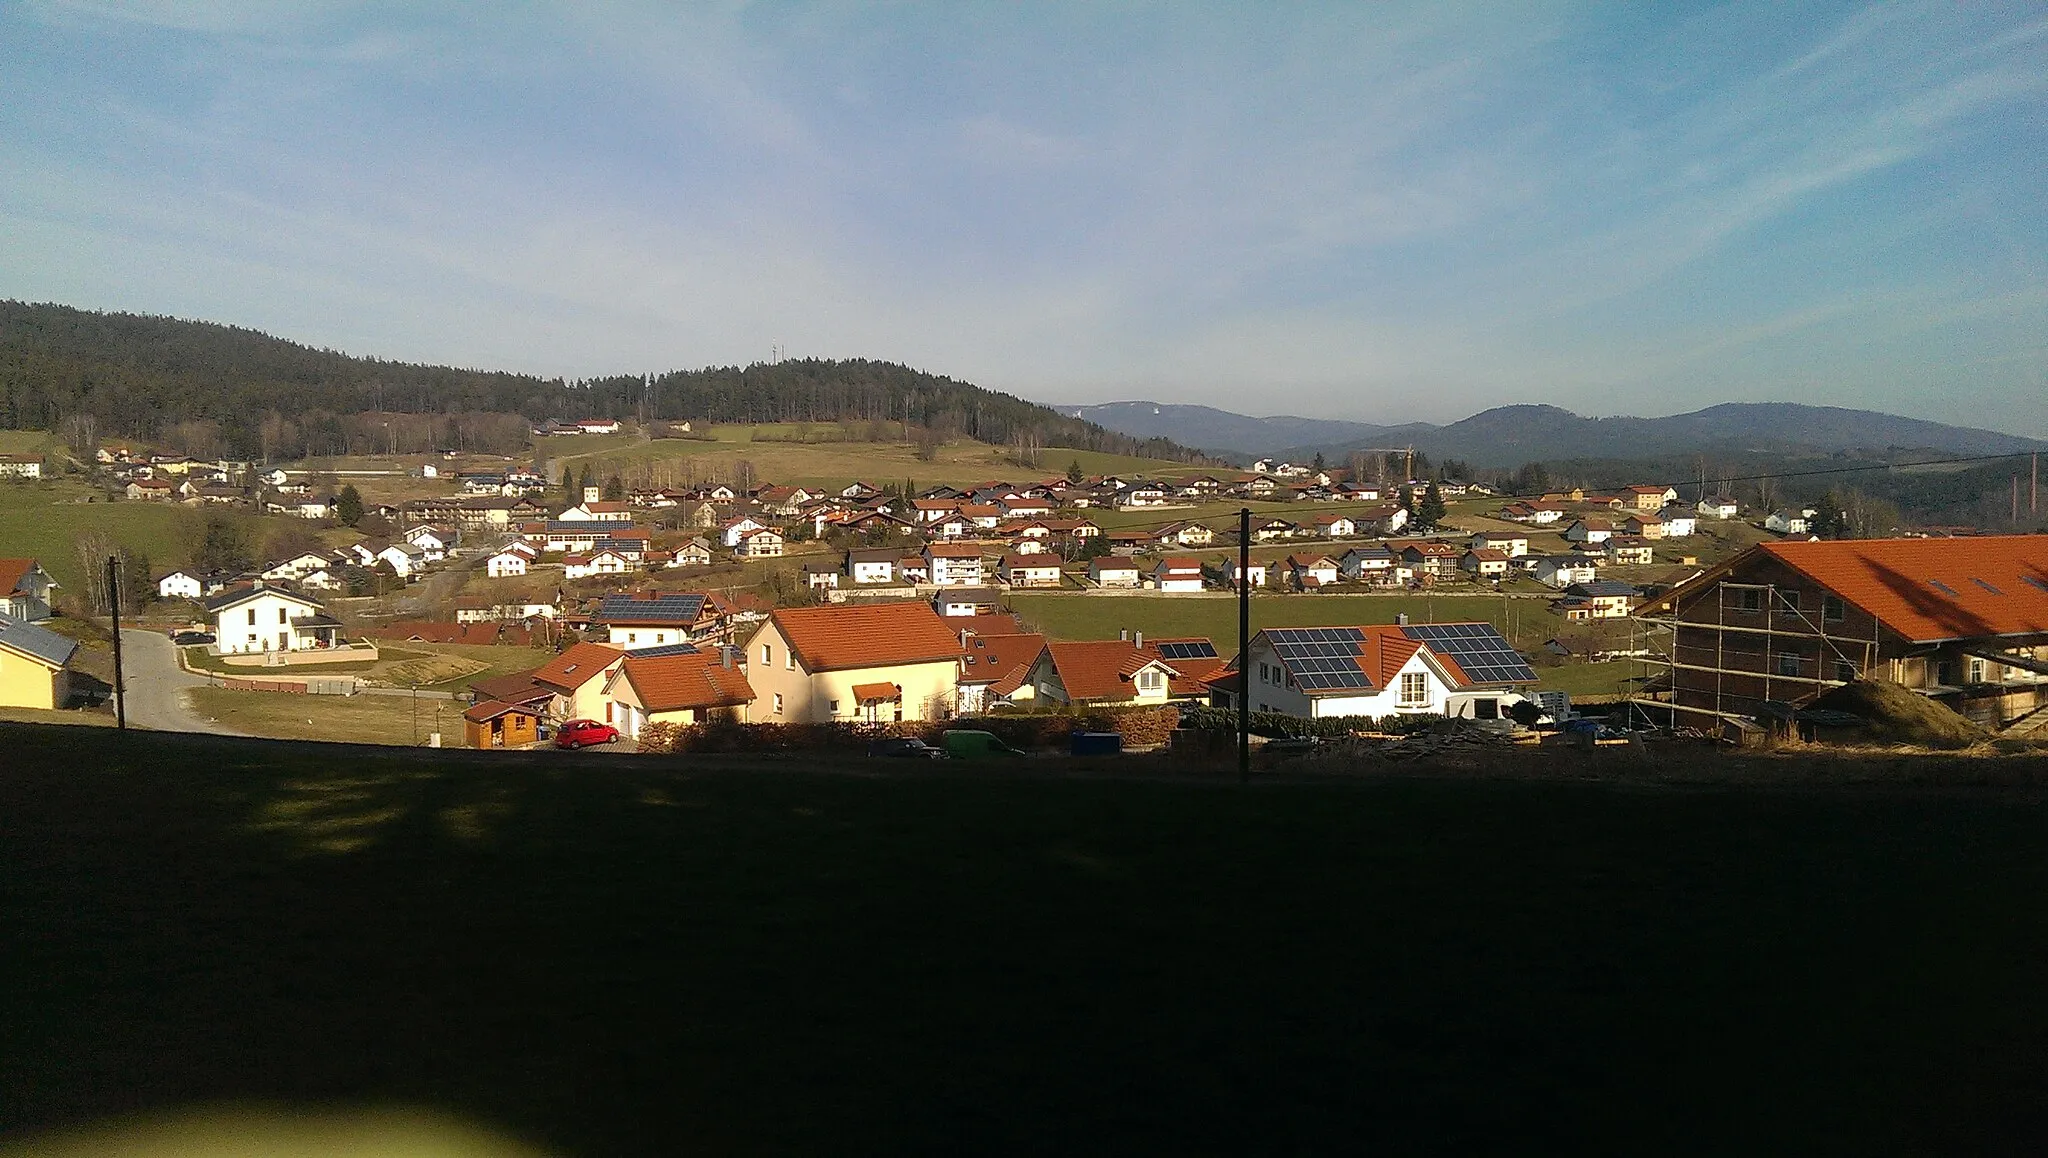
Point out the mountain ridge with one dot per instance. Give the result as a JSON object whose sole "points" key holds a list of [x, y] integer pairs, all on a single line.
{"points": [[1512, 434]]}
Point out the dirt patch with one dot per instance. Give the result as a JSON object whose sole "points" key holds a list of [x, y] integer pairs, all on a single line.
{"points": [[1903, 717]]}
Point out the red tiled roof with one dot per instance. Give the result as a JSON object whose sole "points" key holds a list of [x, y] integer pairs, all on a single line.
{"points": [[1001, 661], [577, 666], [492, 709], [1195, 671], [516, 688], [878, 693], [12, 572], [953, 551], [846, 636], [696, 680], [1101, 669], [1926, 589]]}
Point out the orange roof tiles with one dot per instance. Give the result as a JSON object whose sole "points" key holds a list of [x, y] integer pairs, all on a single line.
{"points": [[672, 683], [877, 693], [577, 666], [1001, 661], [845, 636], [492, 709], [1933, 589], [1101, 669], [12, 572]]}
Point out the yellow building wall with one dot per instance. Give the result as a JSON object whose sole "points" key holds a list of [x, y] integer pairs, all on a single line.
{"points": [[930, 690], [24, 683]]}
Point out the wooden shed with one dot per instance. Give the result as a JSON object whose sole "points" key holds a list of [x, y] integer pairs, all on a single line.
{"points": [[497, 724]]}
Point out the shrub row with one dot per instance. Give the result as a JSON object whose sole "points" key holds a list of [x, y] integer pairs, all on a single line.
{"points": [[1274, 725], [1137, 726]]}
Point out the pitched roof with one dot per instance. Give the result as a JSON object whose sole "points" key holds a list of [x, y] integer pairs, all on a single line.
{"points": [[516, 688], [1924, 590], [877, 693], [1194, 658], [844, 636], [1102, 669], [492, 709], [38, 643], [577, 666], [698, 679], [238, 596], [1376, 652], [12, 573], [1001, 661], [663, 609]]}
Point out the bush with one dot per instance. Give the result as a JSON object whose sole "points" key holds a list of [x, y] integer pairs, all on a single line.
{"points": [[1040, 730], [1276, 726]]}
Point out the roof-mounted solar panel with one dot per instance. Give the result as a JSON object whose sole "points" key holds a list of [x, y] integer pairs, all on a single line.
{"points": [[1986, 586], [1944, 588]]}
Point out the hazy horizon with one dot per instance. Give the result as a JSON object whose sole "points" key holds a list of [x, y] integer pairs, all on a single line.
{"points": [[1381, 214]]}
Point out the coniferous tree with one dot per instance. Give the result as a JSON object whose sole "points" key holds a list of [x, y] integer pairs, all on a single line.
{"points": [[1430, 511], [348, 506], [615, 490]]}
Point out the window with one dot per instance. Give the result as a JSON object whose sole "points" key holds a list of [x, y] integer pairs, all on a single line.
{"points": [[1844, 671], [1788, 664], [766, 657], [778, 703], [1976, 670], [1832, 609], [1148, 680], [832, 706], [1414, 688], [1789, 600], [1752, 600], [632, 637], [789, 660]]}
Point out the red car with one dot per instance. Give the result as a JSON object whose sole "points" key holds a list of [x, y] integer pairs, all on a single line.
{"points": [[580, 733]]}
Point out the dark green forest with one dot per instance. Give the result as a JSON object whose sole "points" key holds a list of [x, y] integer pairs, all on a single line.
{"points": [[201, 386]]}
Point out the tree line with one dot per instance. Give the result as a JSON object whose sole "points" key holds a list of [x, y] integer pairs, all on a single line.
{"points": [[245, 394]]}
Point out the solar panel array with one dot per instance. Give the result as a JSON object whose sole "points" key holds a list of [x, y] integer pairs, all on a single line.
{"points": [[1478, 648], [1321, 658], [666, 649], [685, 608], [1188, 649]]}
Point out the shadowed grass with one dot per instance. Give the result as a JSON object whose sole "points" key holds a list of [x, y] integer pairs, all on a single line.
{"points": [[630, 956]]}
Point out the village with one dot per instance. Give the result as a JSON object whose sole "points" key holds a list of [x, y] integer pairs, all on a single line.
{"points": [[647, 608]]}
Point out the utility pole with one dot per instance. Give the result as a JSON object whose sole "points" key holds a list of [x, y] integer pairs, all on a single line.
{"points": [[1244, 641], [2034, 485], [114, 615]]}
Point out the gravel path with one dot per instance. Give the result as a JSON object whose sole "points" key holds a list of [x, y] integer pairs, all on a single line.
{"points": [[157, 686]]}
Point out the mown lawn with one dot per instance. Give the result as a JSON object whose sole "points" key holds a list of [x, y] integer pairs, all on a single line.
{"points": [[44, 521], [359, 719], [611, 956]]}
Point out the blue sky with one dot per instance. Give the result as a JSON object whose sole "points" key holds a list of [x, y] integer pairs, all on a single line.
{"points": [[1359, 210]]}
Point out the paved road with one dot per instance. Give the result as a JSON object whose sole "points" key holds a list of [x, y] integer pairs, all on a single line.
{"points": [[156, 685]]}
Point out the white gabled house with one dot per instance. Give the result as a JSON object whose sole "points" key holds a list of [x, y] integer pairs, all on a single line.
{"points": [[506, 564], [264, 618], [1175, 574], [1380, 670], [180, 585], [1113, 571]]}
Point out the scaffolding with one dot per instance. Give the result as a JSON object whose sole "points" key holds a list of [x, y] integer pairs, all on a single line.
{"points": [[1772, 604]]}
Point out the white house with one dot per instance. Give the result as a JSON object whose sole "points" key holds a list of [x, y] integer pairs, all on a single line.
{"points": [[736, 529], [1175, 574], [506, 564], [25, 590], [1040, 569], [1719, 507], [954, 564], [1679, 523], [263, 618], [1113, 571], [1589, 531], [1563, 571], [180, 585], [606, 562], [20, 466], [406, 561], [1381, 670], [1790, 521], [872, 566], [765, 543]]}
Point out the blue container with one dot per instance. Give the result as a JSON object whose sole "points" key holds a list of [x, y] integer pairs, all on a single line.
{"points": [[1096, 744], [1583, 724]]}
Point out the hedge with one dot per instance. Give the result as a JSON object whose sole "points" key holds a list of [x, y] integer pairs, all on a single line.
{"points": [[1275, 725], [1137, 726]]}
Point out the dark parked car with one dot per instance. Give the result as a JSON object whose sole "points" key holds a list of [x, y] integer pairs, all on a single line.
{"points": [[582, 733], [192, 638], [905, 748]]}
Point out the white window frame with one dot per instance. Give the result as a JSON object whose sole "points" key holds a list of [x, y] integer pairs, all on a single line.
{"points": [[1414, 689], [778, 703]]}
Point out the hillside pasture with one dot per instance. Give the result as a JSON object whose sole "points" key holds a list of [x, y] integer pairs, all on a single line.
{"points": [[623, 956]]}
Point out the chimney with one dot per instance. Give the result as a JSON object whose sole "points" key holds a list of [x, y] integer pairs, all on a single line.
{"points": [[1139, 641], [1123, 633], [964, 633], [1400, 619], [725, 657]]}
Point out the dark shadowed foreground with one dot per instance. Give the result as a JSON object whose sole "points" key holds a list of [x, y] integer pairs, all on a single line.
{"points": [[615, 956]]}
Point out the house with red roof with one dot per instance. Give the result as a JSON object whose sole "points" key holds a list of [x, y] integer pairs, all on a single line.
{"points": [[25, 590], [859, 662], [1103, 672], [1962, 621], [996, 670], [683, 688], [1380, 670]]}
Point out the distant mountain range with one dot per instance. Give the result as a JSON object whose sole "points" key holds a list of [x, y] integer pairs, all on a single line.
{"points": [[1507, 436]]}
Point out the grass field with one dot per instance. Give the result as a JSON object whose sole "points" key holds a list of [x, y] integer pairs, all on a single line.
{"points": [[1083, 616], [358, 719], [610, 956], [434, 666], [1593, 679], [823, 463], [45, 520]]}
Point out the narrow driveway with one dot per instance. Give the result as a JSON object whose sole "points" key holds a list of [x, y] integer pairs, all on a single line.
{"points": [[156, 685]]}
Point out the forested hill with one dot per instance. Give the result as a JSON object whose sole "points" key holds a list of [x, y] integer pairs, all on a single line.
{"points": [[140, 376]]}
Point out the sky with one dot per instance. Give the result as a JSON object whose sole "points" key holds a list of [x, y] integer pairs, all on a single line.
{"points": [[1374, 211]]}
